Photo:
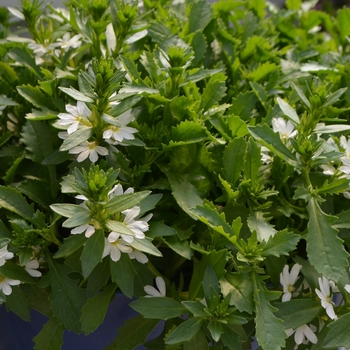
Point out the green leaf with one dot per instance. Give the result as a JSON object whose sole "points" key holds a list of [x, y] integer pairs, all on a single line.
{"points": [[119, 227], [94, 311], [158, 307], [184, 192], [70, 245], [185, 331], [123, 273], [343, 21], [215, 329], [337, 186], [125, 201], [133, 333], [237, 126], [76, 139], [262, 71], [212, 94], [281, 243], [243, 105], [272, 141], [77, 95], [92, 252], [98, 278], [13, 201], [66, 297], [199, 74], [198, 341], [179, 247], [200, 16], [68, 210], [293, 4], [35, 96], [211, 217], [339, 333], [8, 74], [196, 308], [50, 337], [252, 161], [188, 131], [298, 312], [17, 303], [233, 160], [334, 97], [230, 338], [145, 245], [301, 95], [45, 114], [38, 137], [269, 329], [22, 56], [159, 229], [324, 247], [288, 111], [241, 289]]}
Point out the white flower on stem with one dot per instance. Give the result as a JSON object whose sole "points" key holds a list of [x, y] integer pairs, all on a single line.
{"points": [[153, 292], [115, 245], [139, 256], [325, 296], [288, 280], [347, 288], [5, 255], [89, 149], [121, 131], [77, 115], [6, 283], [266, 158], [67, 42], [118, 190], [284, 128], [88, 229], [31, 267], [345, 168], [346, 145], [303, 334], [138, 227]]}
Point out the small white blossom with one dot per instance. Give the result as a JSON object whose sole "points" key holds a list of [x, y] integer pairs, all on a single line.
{"points": [[138, 227], [346, 145], [31, 267], [115, 245], [325, 296], [303, 334], [288, 280], [121, 131], [285, 129], [89, 149], [5, 255], [347, 288], [88, 229], [6, 283], [118, 190], [345, 168], [77, 115], [266, 158], [139, 256], [153, 292], [67, 42]]}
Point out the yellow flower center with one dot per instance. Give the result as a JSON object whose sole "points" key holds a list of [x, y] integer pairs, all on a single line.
{"points": [[2, 279], [291, 288]]}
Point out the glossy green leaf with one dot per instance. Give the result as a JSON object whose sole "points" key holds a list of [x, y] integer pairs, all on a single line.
{"points": [[200, 16], [50, 337], [94, 311], [122, 273], [212, 94], [324, 247], [12, 200], [66, 297], [185, 331], [77, 95], [281, 243], [339, 333], [35, 96], [272, 141], [70, 245], [269, 329], [198, 341], [125, 201], [145, 245], [215, 329], [233, 160], [158, 307], [92, 252], [288, 111], [298, 312], [133, 333], [75, 139]]}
